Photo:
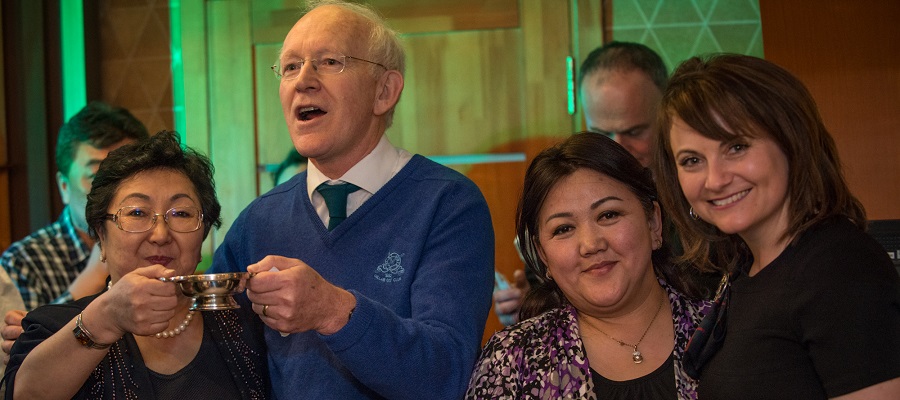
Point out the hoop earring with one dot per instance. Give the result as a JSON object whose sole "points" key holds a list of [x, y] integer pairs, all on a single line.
{"points": [[693, 214], [547, 275], [657, 244]]}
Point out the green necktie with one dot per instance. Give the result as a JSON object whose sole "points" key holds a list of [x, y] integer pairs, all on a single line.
{"points": [[336, 200]]}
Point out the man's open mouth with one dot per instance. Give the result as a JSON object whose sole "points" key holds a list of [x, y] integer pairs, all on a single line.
{"points": [[308, 113]]}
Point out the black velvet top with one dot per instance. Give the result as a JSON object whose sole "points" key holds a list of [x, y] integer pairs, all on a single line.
{"points": [[238, 344], [659, 385]]}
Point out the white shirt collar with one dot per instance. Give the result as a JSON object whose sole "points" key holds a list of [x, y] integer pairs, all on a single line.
{"points": [[370, 174]]}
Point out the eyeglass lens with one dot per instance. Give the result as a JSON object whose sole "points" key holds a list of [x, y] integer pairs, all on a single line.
{"points": [[141, 219], [326, 64]]}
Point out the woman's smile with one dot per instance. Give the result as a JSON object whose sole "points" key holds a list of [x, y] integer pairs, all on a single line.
{"points": [[730, 199]]}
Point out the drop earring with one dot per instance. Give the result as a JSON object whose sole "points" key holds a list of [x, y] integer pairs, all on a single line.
{"points": [[693, 214]]}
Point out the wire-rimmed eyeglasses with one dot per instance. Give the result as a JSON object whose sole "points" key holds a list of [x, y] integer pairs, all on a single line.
{"points": [[328, 64], [142, 219]]}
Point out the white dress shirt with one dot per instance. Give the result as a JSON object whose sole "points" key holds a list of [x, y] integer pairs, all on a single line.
{"points": [[369, 174]]}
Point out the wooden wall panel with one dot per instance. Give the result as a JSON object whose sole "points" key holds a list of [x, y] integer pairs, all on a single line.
{"points": [[848, 55], [196, 75], [273, 18], [588, 31], [134, 59], [546, 42], [196, 90], [231, 115], [272, 136], [443, 15], [461, 93]]}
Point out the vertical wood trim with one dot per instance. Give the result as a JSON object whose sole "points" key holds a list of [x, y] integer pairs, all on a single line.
{"points": [[546, 39], [196, 83], [273, 139], [606, 17], [231, 112], [27, 115], [589, 26], [196, 88]]}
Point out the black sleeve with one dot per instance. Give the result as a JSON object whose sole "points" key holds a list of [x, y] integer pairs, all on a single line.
{"points": [[39, 324], [851, 322]]}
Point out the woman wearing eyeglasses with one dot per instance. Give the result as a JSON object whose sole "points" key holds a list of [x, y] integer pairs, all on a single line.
{"points": [[151, 206]]}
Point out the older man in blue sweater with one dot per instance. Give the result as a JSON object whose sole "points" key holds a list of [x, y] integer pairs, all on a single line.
{"points": [[391, 301]]}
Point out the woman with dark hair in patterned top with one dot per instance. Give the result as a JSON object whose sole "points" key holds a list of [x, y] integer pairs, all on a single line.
{"points": [[610, 317]]}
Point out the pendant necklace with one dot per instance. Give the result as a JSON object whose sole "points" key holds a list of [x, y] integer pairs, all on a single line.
{"points": [[636, 356]]}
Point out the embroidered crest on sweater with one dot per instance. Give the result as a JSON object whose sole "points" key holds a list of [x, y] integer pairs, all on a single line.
{"points": [[390, 270]]}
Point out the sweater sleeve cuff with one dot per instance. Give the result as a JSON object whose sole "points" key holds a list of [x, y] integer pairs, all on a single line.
{"points": [[355, 328]]}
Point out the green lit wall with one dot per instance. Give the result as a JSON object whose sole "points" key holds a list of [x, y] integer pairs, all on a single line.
{"points": [[72, 42], [177, 67], [680, 29]]}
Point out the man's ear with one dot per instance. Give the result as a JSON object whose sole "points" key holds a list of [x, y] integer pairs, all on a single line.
{"points": [[388, 92], [62, 182]]}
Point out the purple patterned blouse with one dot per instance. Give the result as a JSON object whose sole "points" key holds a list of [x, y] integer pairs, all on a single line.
{"points": [[544, 358]]}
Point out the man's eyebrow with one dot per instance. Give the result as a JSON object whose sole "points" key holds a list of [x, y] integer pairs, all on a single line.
{"points": [[600, 131], [622, 131]]}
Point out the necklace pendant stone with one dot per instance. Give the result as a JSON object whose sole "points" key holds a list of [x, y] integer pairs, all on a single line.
{"points": [[637, 357]]}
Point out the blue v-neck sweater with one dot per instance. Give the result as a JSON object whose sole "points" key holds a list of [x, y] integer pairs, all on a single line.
{"points": [[418, 256]]}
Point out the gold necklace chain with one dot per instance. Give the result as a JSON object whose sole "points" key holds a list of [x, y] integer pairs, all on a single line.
{"points": [[636, 355]]}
